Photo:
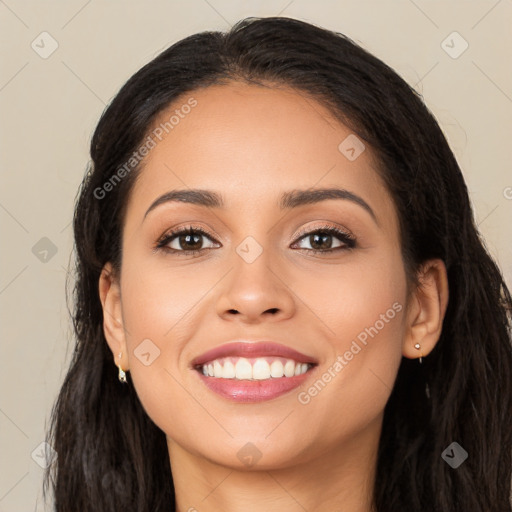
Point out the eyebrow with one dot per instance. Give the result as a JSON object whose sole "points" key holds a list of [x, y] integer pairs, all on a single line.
{"points": [[288, 200]]}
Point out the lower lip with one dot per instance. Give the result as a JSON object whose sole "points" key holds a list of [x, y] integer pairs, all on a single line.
{"points": [[252, 391]]}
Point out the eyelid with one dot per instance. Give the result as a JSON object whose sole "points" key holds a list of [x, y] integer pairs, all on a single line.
{"points": [[324, 226]]}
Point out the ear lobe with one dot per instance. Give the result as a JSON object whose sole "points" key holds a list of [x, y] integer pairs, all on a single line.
{"points": [[427, 311], [110, 297]]}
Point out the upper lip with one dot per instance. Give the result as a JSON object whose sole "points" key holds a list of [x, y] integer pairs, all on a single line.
{"points": [[252, 349]]}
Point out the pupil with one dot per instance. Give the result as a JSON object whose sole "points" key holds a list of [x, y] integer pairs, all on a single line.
{"points": [[184, 240], [317, 245]]}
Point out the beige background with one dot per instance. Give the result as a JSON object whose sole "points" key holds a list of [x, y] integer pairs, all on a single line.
{"points": [[50, 106]]}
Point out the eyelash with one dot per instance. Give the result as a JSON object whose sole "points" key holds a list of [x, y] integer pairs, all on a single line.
{"points": [[346, 238]]}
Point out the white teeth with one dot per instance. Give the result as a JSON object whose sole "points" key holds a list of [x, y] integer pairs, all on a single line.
{"points": [[217, 368], [243, 369], [229, 371], [276, 369], [289, 368], [259, 368]]}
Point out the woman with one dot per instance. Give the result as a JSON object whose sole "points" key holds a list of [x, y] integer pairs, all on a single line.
{"points": [[282, 300]]}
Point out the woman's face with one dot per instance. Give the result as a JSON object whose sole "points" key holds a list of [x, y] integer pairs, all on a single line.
{"points": [[256, 278]]}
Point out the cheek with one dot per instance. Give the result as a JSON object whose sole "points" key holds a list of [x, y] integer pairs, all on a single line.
{"points": [[355, 295], [158, 299], [363, 309], [160, 318]]}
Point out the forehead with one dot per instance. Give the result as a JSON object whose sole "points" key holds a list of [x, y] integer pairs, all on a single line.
{"points": [[251, 143]]}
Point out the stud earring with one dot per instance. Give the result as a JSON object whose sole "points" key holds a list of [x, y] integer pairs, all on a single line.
{"points": [[417, 346], [122, 373]]}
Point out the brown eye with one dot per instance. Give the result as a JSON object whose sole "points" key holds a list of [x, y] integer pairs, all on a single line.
{"points": [[327, 239], [187, 241]]}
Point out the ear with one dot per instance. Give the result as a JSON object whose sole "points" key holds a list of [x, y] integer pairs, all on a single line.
{"points": [[426, 310], [110, 296]]}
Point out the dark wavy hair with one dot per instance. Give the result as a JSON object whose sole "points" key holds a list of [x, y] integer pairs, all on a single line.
{"points": [[112, 457]]}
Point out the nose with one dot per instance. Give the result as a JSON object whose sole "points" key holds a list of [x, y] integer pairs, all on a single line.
{"points": [[256, 292]]}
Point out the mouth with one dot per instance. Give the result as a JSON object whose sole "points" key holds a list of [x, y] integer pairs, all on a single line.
{"points": [[260, 368], [253, 372]]}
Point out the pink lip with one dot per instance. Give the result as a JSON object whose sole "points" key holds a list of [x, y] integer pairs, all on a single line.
{"points": [[249, 349], [251, 391]]}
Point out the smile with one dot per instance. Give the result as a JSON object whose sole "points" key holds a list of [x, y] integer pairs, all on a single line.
{"points": [[248, 372], [241, 368]]}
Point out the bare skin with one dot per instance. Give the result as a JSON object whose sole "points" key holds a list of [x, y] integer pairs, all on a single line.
{"points": [[251, 144]]}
